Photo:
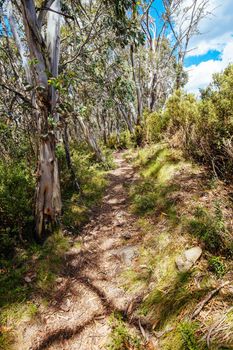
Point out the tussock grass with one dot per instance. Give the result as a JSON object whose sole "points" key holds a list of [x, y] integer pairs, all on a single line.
{"points": [[121, 337], [178, 208]]}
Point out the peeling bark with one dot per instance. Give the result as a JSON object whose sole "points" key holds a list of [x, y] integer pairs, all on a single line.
{"points": [[48, 198], [48, 195]]}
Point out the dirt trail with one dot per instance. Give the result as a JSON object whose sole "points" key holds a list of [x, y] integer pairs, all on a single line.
{"points": [[90, 288]]}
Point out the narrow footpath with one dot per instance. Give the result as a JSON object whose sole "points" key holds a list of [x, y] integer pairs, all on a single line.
{"points": [[91, 286]]}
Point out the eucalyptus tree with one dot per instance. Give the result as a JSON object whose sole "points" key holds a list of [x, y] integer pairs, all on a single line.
{"points": [[100, 85], [50, 83], [159, 66], [36, 33], [183, 18]]}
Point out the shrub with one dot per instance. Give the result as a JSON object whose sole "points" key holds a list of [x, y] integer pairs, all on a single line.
{"points": [[202, 128], [124, 140], [156, 123], [209, 228], [16, 194]]}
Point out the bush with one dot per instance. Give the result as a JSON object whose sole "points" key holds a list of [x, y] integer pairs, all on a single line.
{"points": [[156, 123], [203, 129], [16, 194], [122, 141]]}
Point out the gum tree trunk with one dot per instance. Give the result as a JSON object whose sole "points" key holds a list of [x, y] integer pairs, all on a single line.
{"points": [[90, 138], [46, 57], [48, 198]]}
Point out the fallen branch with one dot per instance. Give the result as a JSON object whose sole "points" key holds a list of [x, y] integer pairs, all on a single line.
{"points": [[207, 299]]}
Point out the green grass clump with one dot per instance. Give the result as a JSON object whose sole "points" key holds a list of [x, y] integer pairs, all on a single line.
{"points": [[167, 299], [44, 263], [184, 336], [163, 305], [187, 331], [154, 191], [217, 266], [121, 337], [208, 227], [10, 318], [148, 198]]}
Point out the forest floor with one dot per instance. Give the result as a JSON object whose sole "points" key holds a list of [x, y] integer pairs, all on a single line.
{"points": [[119, 286]]}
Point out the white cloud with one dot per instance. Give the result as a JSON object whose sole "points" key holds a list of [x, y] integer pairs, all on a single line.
{"points": [[216, 33], [200, 75], [215, 29]]}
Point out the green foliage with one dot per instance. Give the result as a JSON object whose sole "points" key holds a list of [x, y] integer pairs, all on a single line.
{"points": [[127, 30], [187, 331], [137, 136], [121, 337], [208, 227], [91, 178], [156, 124], [217, 266], [202, 128], [16, 194], [122, 141]]}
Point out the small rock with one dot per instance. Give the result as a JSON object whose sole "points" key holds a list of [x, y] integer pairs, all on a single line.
{"points": [[126, 254], [116, 223], [182, 264], [120, 219], [193, 254], [27, 279], [126, 235], [59, 279], [185, 261], [66, 306]]}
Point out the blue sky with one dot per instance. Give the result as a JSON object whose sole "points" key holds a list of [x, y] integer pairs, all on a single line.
{"points": [[210, 55], [212, 50]]}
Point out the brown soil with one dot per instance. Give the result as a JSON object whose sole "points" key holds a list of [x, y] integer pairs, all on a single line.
{"points": [[91, 289]]}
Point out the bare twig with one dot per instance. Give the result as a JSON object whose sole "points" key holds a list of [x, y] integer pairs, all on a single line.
{"points": [[207, 299], [216, 325]]}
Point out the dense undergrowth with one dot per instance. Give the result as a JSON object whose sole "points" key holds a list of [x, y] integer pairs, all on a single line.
{"points": [[202, 128]]}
